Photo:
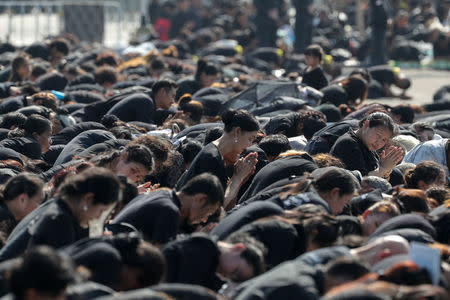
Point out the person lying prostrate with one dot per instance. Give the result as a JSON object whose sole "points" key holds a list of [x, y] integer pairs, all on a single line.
{"points": [[290, 163], [122, 262], [357, 150], [205, 76], [160, 214], [199, 259], [20, 195], [33, 140], [293, 233], [329, 187], [82, 141], [63, 220], [348, 91], [243, 215], [141, 107], [239, 133], [67, 134]]}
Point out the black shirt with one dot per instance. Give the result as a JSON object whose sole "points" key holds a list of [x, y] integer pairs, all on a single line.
{"points": [[245, 215], [81, 142], [382, 74], [156, 215], [334, 94], [282, 239], [67, 134], [207, 160], [136, 107], [193, 260], [7, 220], [277, 170], [350, 149], [51, 224], [409, 221], [187, 85], [25, 145], [12, 104], [315, 78], [285, 124]]}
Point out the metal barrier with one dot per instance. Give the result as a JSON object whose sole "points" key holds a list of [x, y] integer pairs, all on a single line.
{"points": [[108, 22]]}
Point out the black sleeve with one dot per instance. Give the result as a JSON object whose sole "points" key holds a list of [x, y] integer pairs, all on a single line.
{"points": [[165, 226], [348, 151], [52, 231], [4, 89]]}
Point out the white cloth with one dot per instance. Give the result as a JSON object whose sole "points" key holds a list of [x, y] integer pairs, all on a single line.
{"points": [[433, 150]]}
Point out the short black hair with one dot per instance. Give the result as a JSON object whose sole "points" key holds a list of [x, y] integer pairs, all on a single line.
{"points": [[163, 84], [347, 268], [61, 45], [380, 119], [189, 148], [312, 121], [315, 51], [275, 144], [205, 183], [405, 112], [239, 118], [42, 269], [13, 119]]}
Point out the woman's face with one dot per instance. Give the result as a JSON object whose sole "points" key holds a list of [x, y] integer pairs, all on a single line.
{"points": [[207, 80], [132, 170], [24, 70], [339, 201], [312, 61], [44, 139], [241, 141], [31, 203], [375, 138]]}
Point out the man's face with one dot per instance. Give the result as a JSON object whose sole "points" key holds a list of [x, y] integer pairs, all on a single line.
{"points": [[200, 212], [165, 98]]}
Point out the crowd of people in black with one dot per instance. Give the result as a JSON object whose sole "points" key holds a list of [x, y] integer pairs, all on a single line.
{"points": [[222, 164]]}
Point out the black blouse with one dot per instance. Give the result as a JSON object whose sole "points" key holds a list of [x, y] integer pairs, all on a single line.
{"points": [[208, 160], [351, 150]]}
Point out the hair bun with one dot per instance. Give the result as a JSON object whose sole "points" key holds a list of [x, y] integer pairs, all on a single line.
{"points": [[185, 99], [228, 116]]}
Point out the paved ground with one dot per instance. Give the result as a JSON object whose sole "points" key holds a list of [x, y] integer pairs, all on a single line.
{"points": [[424, 84]]}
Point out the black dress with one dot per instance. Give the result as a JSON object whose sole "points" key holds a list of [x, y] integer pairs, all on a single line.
{"points": [[52, 224], [351, 150], [207, 160], [193, 260], [156, 215], [334, 94], [25, 145], [7, 220], [315, 78]]}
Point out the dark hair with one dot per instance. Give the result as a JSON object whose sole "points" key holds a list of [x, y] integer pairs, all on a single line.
{"points": [[100, 181], [356, 88], [13, 119], [106, 58], [205, 183], [347, 268], [27, 183], [380, 119], [15, 64], [157, 64], [334, 177], [38, 70], [46, 99], [42, 269], [438, 193], [159, 146], [239, 118], [189, 148], [194, 108], [421, 126], [427, 171], [275, 144], [212, 134], [364, 73], [141, 255], [163, 84], [254, 252], [405, 112], [312, 121], [34, 124], [135, 153], [321, 229], [106, 74], [203, 66], [411, 200], [315, 51], [61, 45]]}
